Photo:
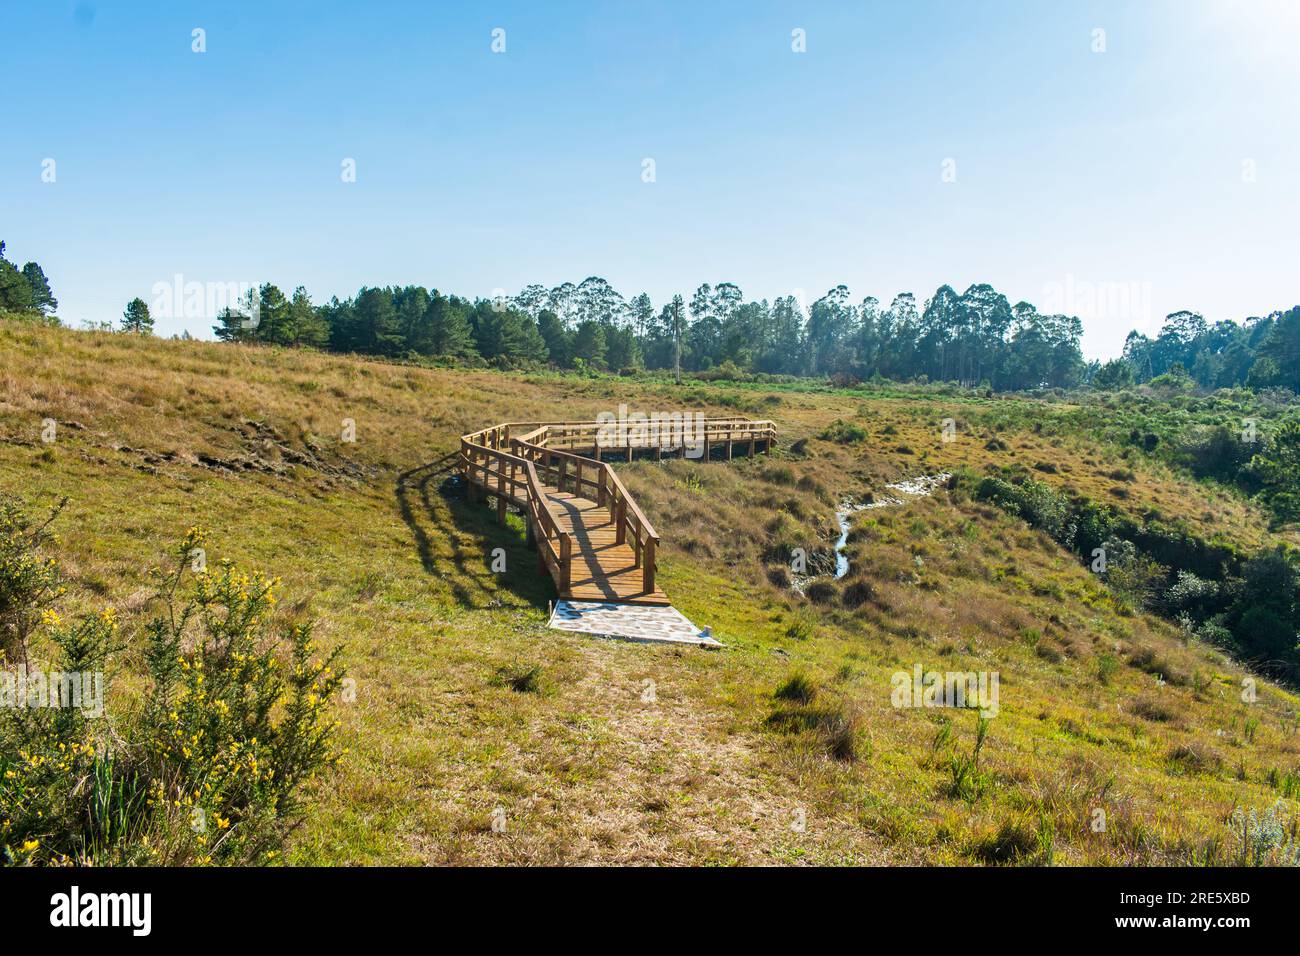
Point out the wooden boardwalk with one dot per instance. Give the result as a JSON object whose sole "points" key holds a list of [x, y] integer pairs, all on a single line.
{"points": [[589, 533]]}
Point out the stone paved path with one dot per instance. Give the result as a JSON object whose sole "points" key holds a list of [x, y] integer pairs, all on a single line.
{"points": [[632, 622]]}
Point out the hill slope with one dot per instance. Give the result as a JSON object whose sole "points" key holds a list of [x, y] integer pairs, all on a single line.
{"points": [[633, 753]]}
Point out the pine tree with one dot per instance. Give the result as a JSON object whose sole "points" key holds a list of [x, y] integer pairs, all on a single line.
{"points": [[274, 322], [559, 344], [42, 298], [589, 343], [1283, 347], [238, 324], [306, 321], [136, 318], [377, 328], [15, 291], [449, 330]]}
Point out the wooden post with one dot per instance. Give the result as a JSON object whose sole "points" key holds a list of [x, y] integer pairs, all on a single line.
{"points": [[751, 446], [564, 462], [648, 567], [601, 489], [501, 493], [620, 521], [566, 564]]}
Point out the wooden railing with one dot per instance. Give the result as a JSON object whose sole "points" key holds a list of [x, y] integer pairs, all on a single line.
{"points": [[515, 461], [479, 454], [597, 480], [665, 434]]}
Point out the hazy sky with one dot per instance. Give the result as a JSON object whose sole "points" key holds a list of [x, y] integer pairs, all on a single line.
{"points": [[1115, 185]]}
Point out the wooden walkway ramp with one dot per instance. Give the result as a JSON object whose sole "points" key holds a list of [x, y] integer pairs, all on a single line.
{"points": [[589, 533]]}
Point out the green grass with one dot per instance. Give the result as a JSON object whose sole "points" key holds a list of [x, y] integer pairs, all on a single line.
{"points": [[467, 704]]}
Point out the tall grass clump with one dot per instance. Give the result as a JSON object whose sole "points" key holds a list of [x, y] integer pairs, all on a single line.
{"points": [[797, 688], [969, 782]]}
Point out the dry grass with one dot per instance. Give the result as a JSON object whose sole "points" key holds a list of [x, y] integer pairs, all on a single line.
{"points": [[469, 709]]}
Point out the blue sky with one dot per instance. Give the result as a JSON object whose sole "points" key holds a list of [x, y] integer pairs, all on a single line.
{"points": [[1121, 173]]}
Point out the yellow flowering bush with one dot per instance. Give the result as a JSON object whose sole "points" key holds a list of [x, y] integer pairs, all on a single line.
{"points": [[29, 579], [209, 769], [234, 726]]}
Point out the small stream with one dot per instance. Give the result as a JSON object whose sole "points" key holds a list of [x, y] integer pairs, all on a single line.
{"points": [[919, 487]]}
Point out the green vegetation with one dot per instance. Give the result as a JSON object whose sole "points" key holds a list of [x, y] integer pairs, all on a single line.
{"points": [[467, 709], [207, 770], [1249, 603], [25, 292]]}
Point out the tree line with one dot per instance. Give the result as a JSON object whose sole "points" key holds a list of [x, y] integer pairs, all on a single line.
{"points": [[972, 337], [1262, 352], [976, 337]]}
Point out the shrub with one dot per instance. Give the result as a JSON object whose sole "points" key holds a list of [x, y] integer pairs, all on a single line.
{"points": [[1135, 577], [1215, 452], [802, 626], [29, 579], [521, 679], [821, 592], [835, 728], [798, 688], [208, 769], [1265, 838], [1033, 501], [1191, 595], [858, 593], [1012, 842], [844, 433]]}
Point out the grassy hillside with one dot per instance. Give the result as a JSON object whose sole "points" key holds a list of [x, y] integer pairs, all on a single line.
{"points": [[1101, 707]]}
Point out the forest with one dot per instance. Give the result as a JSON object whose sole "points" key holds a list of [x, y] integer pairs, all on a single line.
{"points": [[975, 338]]}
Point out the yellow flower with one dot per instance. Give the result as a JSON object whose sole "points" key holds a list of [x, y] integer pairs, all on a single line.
{"points": [[31, 845]]}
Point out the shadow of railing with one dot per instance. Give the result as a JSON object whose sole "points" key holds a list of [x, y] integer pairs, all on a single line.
{"points": [[431, 500]]}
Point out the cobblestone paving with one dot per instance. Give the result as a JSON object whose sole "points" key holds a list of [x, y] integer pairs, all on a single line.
{"points": [[631, 622]]}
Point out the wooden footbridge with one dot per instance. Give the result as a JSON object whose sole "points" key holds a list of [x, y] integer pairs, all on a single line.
{"points": [[589, 533]]}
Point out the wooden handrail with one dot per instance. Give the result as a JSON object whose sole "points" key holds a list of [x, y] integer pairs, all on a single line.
{"points": [[515, 447]]}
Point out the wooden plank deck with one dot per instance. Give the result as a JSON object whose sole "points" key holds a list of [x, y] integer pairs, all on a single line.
{"points": [[578, 538], [603, 570]]}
